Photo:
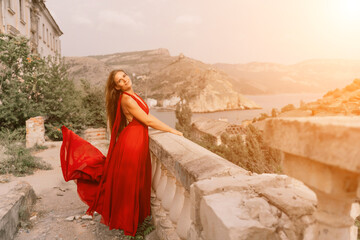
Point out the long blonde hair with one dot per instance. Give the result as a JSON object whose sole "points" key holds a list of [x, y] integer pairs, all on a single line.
{"points": [[112, 96]]}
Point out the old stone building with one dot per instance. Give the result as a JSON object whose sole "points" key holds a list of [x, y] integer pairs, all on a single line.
{"points": [[213, 129], [32, 19]]}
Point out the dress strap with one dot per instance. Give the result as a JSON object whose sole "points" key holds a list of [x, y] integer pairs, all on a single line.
{"points": [[137, 100]]}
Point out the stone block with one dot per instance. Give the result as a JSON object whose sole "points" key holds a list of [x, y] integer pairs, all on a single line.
{"points": [[35, 131], [15, 206], [93, 134], [324, 139], [233, 221], [189, 162]]}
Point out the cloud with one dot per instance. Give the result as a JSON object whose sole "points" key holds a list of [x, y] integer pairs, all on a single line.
{"points": [[82, 20], [114, 17], [188, 19]]}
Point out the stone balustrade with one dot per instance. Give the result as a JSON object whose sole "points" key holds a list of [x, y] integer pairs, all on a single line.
{"points": [[324, 153], [198, 195]]}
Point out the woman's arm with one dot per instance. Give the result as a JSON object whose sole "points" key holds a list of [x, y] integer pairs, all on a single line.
{"points": [[149, 120]]}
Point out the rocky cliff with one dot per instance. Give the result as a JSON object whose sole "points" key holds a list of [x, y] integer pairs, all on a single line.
{"points": [[344, 101], [158, 75]]}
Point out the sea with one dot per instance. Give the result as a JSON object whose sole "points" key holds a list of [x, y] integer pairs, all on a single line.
{"points": [[267, 102]]}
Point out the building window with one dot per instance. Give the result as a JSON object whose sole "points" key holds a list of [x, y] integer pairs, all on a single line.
{"points": [[53, 43], [43, 35], [10, 6], [50, 41], [21, 7], [47, 36], [38, 30]]}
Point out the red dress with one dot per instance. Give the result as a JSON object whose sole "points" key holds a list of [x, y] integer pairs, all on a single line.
{"points": [[117, 186]]}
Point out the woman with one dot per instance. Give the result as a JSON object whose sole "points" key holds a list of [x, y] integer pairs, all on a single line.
{"points": [[117, 186]]}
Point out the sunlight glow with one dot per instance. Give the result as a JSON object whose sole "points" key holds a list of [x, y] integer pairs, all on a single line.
{"points": [[348, 12]]}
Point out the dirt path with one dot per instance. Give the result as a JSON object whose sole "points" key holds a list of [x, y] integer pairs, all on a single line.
{"points": [[58, 200]]}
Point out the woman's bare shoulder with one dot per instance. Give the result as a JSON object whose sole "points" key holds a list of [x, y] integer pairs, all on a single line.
{"points": [[127, 100]]}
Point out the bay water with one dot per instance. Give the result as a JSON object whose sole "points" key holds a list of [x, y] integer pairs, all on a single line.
{"points": [[267, 102]]}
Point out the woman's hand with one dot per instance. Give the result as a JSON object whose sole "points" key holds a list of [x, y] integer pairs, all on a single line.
{"points": [[174, 131]]}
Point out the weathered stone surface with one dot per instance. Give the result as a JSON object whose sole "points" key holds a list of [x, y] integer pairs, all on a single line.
{"points": [[15, 206], [87, 217], [323, 139], [233, 221], [289, 200], [189, 162], [70, 219], [92, 134], [323, 152], [35, 131], [271, 200]]}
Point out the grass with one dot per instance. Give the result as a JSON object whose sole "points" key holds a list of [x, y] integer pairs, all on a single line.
{"points": [[18, 160]]}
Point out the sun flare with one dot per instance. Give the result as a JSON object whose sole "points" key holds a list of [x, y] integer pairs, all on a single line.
{"points": [[348, 12]]}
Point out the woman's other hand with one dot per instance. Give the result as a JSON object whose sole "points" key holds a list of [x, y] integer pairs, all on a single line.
{"points": [[174, 131]]}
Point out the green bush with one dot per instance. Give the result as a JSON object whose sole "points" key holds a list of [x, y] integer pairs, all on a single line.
{"points": [[183, 115], [93, 104], [247, 150], [20, 162], [18, 159], [288, 107], [31, 86]]}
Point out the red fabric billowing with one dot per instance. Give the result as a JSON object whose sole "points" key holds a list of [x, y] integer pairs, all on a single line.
{"points": [[117, 186]]}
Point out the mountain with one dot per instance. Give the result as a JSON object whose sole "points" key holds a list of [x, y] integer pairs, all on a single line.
{"points": [[158, 75], [317, 75]]}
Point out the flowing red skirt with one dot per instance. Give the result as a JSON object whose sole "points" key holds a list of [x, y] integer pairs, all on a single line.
{"points": [[117, 187]]}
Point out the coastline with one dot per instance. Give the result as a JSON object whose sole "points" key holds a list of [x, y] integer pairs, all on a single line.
{"points": [[163, 109]]}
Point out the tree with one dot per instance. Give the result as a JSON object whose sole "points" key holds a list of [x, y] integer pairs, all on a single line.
{"points": [[183, 115], [31, 86], [288, 107], [274, 112]]}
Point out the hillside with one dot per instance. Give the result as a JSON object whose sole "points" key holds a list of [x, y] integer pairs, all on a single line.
{"points": [[344, 101], [158, 75], [308, 76]]}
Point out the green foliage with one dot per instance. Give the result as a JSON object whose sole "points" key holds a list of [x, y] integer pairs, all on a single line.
{"points": [[263, 116], [274, 112], [288, 107], [248, 151], [183, 115], [31, 86], [93, 104], [18, 159]]}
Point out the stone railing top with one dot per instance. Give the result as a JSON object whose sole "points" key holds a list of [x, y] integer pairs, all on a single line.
{"points": [[189, 162], [330, 140]]}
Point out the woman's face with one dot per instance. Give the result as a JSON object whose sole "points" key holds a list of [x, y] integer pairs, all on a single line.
{"points": [[122, 81]]}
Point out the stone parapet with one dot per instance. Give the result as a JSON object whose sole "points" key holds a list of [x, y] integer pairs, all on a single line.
{"points": [[323, 153], [15, 206], [198, 195]]}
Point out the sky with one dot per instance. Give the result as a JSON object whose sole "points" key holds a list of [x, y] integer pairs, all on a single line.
{"points": [[212, 31]]}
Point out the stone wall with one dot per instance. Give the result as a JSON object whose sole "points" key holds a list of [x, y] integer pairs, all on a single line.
{"points": [[35, 131], [15, 206], [323, 152], [93, 134], [198, 195]]}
